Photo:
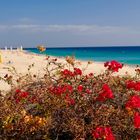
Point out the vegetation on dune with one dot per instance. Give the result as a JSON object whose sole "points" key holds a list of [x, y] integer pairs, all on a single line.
{"points": [[66, 104]]}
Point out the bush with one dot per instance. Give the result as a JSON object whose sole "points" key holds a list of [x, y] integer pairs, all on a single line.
{"points": [[66, 104]]}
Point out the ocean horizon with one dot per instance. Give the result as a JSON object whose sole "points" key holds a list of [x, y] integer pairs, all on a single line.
{"points": [[126, 54]]}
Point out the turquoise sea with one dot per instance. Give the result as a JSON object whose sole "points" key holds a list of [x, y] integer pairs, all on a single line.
{"points": [[127, 55]]}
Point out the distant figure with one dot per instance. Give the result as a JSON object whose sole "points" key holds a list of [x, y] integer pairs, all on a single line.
{"points": [[0, 58], [11, 48], [21, 48], [5, 48]]}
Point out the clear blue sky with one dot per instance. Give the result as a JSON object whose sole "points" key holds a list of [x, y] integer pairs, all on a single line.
{"points": [[69, 22]]}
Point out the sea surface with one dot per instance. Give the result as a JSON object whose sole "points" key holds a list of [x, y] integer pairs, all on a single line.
{"points": [[127, 55]]}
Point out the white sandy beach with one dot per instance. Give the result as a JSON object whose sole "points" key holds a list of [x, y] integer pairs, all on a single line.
{"points": [[21, 60]]}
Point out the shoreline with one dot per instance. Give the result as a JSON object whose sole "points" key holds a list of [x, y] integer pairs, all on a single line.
{"points": [[20, 60], [100, 62]]}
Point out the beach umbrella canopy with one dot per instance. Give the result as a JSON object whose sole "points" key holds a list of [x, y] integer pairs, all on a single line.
{"points": [[41, 48]]}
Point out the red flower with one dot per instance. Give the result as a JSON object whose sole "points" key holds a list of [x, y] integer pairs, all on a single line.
{"points": [[77, 71], [137, 86], [67, 73], [130, 84], [18, 91], [137, 120], [106, 93], [80, 88], [113, 65], [91, 74], [88, 91], [58, 90], [69, 100], [106, 64], [67, 88], [17, 100], [133, 85], [103, 132], [24, 94], [133, 102], [70, 88], [20, 95]]}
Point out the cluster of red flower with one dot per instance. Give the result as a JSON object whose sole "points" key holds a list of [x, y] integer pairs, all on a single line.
{"points": [[80, 88], [69, 100], [77, 71], [59, 90], [106, 93], [133, 85], [67, 89], [103, 132], [137, 120], [113, 65], [134, 103], [68, 73], [20, 95]]}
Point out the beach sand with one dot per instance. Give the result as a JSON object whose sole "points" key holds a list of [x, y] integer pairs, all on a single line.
{"points": [[21, 61]]}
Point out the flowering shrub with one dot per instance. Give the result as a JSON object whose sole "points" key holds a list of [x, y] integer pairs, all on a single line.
{"points": [[66, 104]]}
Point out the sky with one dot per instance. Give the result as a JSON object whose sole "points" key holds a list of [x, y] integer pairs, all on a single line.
{"points": [[69, 23]]}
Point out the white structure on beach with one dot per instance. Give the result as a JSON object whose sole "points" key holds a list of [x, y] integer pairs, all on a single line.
{"points": [[21, 48], [5, 48], [11, 48]]}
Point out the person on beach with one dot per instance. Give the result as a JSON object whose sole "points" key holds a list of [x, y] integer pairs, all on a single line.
{"points": [[0, 58]]}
